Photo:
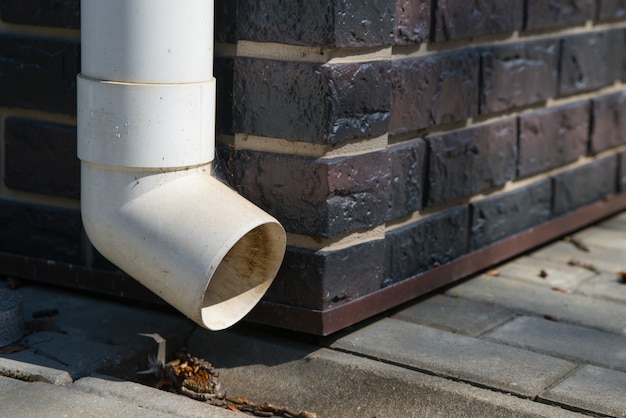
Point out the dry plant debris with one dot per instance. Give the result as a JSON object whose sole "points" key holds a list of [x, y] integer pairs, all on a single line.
{"points": [[576, 242], [577, 263]]}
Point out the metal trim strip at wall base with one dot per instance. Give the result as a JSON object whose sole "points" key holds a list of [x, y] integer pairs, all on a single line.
{"points": [[115, 283]]}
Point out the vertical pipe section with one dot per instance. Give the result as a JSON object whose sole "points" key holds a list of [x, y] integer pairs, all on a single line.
{"points": [[146, 106]]}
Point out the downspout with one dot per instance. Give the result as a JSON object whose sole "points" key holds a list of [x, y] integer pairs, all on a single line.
{"points": [[146, 106]]}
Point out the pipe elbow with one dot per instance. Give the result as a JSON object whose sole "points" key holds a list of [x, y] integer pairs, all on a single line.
{"points": [[190, 239]]}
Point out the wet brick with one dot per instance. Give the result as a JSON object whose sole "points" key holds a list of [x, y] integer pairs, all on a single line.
{"points": [[580, 55], [621, 173], [412, 23], [502, 215], [41, 157], [584, 185], [320, 197], [518, 74], [52, 13], [40, 231], [433, 90], [455, 19], [38, 73], [471, 160], [609, 121], [323, 279], [425, 244], [543, 14], [226, 20], [223, 70], [552, 137], [339, 23], [407, 178], [312, 103]]}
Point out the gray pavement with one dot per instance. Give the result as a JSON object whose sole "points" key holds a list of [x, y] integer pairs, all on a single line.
{"points": [[534, 337]]}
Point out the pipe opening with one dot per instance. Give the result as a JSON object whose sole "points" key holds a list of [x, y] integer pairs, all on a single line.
{"points": [[243, 276]]}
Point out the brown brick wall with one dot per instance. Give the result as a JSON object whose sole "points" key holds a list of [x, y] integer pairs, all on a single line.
{"points": [[388, 136]]}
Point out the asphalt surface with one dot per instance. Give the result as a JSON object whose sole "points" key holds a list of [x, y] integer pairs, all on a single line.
{"points": [[543, 335]]}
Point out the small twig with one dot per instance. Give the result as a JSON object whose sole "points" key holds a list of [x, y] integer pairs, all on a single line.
{"points": [[576, 242]]}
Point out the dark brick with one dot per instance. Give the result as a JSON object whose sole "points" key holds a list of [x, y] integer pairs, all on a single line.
{"points": [[621, 173], [321, 197], [407, 178], [312, 103], [504, 214], [468, 161], [609, 121], [52, 13], [518, 74], [340, 23], [611, 9], [223, 69], [422, 245], [41, 157], [38, 73], [585, 184], [591, 60], [226, 21], [455, 19], [40, 231], [542, 14], [412, 21], [323, 279], [552, 137], [433, 90]]}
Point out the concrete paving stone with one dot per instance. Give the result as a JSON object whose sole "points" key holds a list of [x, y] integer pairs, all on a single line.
{"points": [[335, 384], [605, 259], [34, 371], [493, 365], [537, 300], [594, 389], [557, 274], [606, 286], [603, 238], [42, 400], [571, 342], [95, 334], [615, 222], [149, 398], [7, 383], [455, 315]]}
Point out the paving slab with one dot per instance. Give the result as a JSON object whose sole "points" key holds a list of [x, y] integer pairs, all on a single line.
{"points": [[493, 365], [592, 388], [615, 222], [337, 384], [34, 372], [572, 342], [148, 398], [7, 383], [599, 238], [607, 286], [606, 259], [538, 300], [545, 272], [460, 315], [42, 400]]}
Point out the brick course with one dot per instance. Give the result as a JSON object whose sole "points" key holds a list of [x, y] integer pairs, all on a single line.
{"points": [[520, 74], [611, 9], [312, 103], [38, 73], [41, 157], [552, 137], [52, 13], [408, 163], [544, 14], [585, 184], [456, 19], [317, 197], [425, 244], [499, 216], [580, 55], [609, 121], [433, 90], [470, 161]]}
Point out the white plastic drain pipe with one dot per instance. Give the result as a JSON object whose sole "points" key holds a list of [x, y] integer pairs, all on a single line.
{"points": [[146, 106]]}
